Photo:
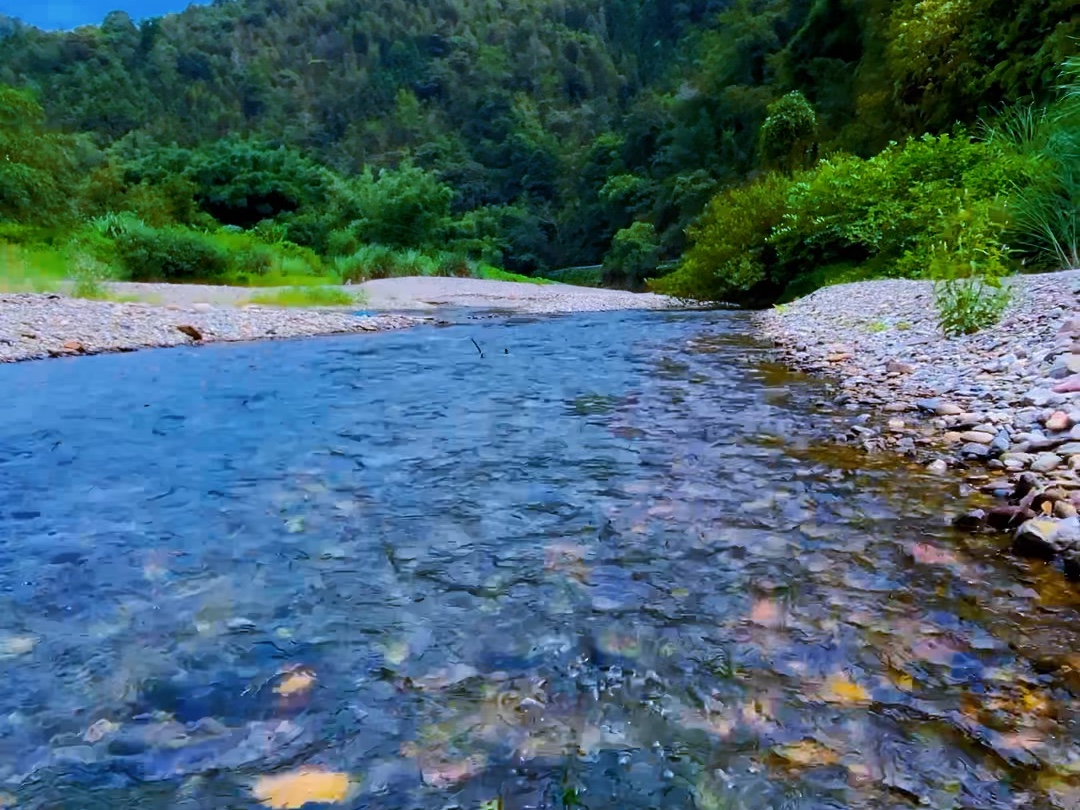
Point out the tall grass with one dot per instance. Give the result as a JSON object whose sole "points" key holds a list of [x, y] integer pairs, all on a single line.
{"points": [[1045, 212], [309, 297]]}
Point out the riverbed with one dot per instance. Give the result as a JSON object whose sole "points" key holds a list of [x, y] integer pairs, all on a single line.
{"points": [[606, 561]]}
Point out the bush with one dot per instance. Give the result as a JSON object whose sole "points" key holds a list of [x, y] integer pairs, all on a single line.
{"points": [[966, 305], [731, 257], [170, 254], [634, 255], [789, 138], [969, 261]]}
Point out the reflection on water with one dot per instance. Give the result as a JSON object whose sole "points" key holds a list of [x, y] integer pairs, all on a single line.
{"points": [[606, 565]]}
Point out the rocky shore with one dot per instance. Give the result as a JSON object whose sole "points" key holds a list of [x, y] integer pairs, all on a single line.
{"points": [[36, 326], [1003, 405]]}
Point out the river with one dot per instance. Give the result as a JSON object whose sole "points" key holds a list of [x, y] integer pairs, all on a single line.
{"points": [[605, 561]]}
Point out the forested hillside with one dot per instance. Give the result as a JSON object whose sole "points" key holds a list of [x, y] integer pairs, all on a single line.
{"points": [[536, 133]]}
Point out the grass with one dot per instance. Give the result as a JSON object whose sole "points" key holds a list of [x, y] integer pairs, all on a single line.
{"points": [[31, 269], [309, 297], [486, 271], [273, 279]]}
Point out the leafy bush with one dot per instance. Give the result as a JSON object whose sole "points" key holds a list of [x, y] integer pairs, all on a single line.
{"points": [[89, 276], [403, 207], [170, 254], [731, 256], [634, 255], [966, 305], [789, 137], [969, 263]]}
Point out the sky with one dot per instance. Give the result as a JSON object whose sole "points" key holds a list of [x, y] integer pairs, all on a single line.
{"points": [[70, 13]]}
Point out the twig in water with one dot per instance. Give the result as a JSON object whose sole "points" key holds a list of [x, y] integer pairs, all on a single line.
{"points": [[477, 345]]}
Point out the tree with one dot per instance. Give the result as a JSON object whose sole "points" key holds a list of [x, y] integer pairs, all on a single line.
{"points": [[789, 136], [634, 255], [37, 168]]}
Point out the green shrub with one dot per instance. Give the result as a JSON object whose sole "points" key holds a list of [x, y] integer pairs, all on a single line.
{"points": [[789, 137], [454, 265], [966, 305], [969, 263], [89, 275], [634, 255], [170, 254], [730, 258]]}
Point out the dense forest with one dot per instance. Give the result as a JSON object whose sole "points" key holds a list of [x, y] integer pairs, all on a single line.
{"points": [[792, 140]]}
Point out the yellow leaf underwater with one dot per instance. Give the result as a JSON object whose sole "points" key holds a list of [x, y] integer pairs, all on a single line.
{"points": [[841, 689], [294, 789], [296, 682], [806, 754]]}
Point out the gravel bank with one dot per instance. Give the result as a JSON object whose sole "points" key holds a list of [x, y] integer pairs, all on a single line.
{"points": [[422, 294], [1003, 404], [38, 326], [432, 293]]}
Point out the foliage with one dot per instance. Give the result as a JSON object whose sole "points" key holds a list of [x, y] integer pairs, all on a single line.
{"points": [[526, 139], [789, 135], [969, 263], [308, 297], [37, 167], [401, 207], [966, 305], [578, 276], [731, 257], [170, 254], [1046, 209], [634, 254]]}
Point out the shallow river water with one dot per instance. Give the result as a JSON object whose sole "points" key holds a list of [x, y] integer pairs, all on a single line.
{"points": [[611, 563]]}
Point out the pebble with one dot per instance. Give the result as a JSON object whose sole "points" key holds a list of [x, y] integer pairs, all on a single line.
{"points": [[1006, 398], [37, 326], [1046, 462]]}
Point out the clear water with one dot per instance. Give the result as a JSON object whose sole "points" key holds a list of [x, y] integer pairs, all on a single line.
{"points": [[609, 564]]}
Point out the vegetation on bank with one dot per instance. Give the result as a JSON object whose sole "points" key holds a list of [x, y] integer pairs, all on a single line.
{"points": [[777, 144], [965, 210]]}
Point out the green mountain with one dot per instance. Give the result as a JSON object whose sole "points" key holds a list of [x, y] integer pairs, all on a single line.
{"points": [[565, 121]]}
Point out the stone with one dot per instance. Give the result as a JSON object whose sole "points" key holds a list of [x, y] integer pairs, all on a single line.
{"points": [[948, 409], [896, 424], [974, 450], [896, 407], [1058, 421], [1016, 461], [1064, 510], [1044, 539], [970, 521], [1070, 385], [1068, 449], [190, 331], [1046, 462], [977, 437], [897, 367], [202, 306], [1004, 518], [928, 405], [1040, 397], [1001, 442], [938, 466], [73, 346], [1024, 486]]}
